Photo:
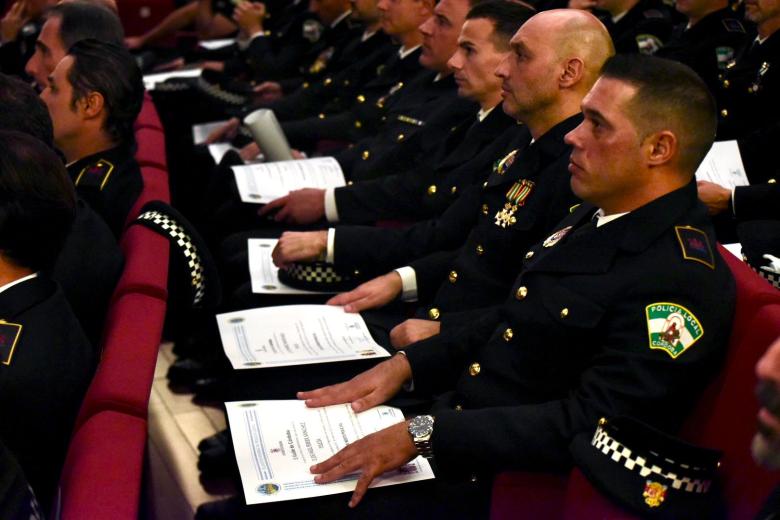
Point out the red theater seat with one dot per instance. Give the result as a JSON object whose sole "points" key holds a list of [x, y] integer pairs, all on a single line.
{"points": [[151, 147], [146, 263], [148, 117], [123, 379], [724, 419], [155, 188], [101, 478]]}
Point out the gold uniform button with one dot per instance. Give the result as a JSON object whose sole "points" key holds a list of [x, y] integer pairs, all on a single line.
{"points": [[432, 189], [724, 113], [484, 185], [474, 478], [434, 313], [321, 116], [564, 312], [346, 82], [480, 250], [365, 155], [361, 98], [508, 335], [328, 81], [484, 209], [453, 277], [400, 137], [726, 83], [458, 408], [521, 292], [358, 124], [454, 190], [771, 181], [306, 84], [474, 369], [384, 118], [602, 421], [529, 255], [350, 183], [356, 272], [453, 129]]}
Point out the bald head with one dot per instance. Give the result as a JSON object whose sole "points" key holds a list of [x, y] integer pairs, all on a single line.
{"points": [[577, 34]]}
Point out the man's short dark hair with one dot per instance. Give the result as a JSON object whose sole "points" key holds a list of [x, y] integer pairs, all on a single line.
{"points": [[669, 96], [112, 71], [507, 16], [23, 110], [37, 201], [83, 20]]}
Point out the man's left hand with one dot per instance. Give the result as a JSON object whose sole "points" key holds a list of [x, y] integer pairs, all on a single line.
{"points": [[304, 206], [295, 246], [372, 455], [412, 331], [714, 196]]}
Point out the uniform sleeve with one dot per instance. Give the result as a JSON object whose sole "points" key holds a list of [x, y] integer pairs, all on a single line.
{"points": [[756, 202]]}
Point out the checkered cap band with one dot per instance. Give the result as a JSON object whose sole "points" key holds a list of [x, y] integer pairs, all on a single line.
{"points": [[171, 86], [220, 94], [772, 278], [616, 451], [184, 241], [317, 273]]}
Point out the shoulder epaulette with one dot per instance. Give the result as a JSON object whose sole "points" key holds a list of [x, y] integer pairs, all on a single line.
{"points": [[733, 25], [9, 337], [95, 175], [695, 245]]}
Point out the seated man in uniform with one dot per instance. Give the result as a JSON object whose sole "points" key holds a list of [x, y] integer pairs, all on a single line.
{"points": [[46, 361], [624, 309], [94, 95]]}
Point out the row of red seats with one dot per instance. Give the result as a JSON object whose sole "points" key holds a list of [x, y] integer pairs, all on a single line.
{"points": [[103, 470], [724, 419]]}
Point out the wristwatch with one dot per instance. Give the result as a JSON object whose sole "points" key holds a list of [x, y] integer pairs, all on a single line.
{"points": [[421, 429]]}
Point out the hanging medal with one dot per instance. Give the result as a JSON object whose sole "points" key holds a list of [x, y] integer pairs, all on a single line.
{"points": [[515, 197], [502, 165]]}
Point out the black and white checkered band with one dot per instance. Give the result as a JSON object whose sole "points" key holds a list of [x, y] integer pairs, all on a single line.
{"points": [[184, 242], [603, 442], [220, 94], [772, 278], [172, 86], [318, 273]]}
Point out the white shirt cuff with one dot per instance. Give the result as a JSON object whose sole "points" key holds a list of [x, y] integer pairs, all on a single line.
{"points": [[408, 283], [331, 211], [331, 251], [733, 203]]}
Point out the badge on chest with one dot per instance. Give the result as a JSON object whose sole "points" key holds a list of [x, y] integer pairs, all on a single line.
{"points": [[515, 198], [9, 337]]}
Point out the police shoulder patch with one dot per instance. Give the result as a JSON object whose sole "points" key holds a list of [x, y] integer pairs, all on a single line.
{"points": [[96, 174], [695, 245], [672, 328], [9, 337]]}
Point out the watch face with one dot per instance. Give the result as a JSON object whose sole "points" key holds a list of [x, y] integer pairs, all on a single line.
{"points": [[420, 426]]}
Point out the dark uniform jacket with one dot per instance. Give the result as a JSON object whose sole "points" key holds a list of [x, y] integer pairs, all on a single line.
{"points": [[749, 107], [708, 46], [44, 372], [110, 181], [414, 125], [17, 499], [88, 268], [377, 250], [429, 187], [644, 28], [366, 108], [629, 318]]}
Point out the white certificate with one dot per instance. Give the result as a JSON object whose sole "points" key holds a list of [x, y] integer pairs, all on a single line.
{"points": [[264, 274], [295, 335], [723, 166], [262, 183], [151, 80], [277, 441], [202, 131], [213, 45]]}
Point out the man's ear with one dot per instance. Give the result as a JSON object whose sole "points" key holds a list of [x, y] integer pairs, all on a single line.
{"points": [[661, 147], [92, 105], [573, 70]]}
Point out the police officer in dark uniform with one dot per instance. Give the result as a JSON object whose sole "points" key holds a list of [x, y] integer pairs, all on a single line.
{"points": [[708, 40], [616, 317], [46, 361], [95, 133], [636, 25]]}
